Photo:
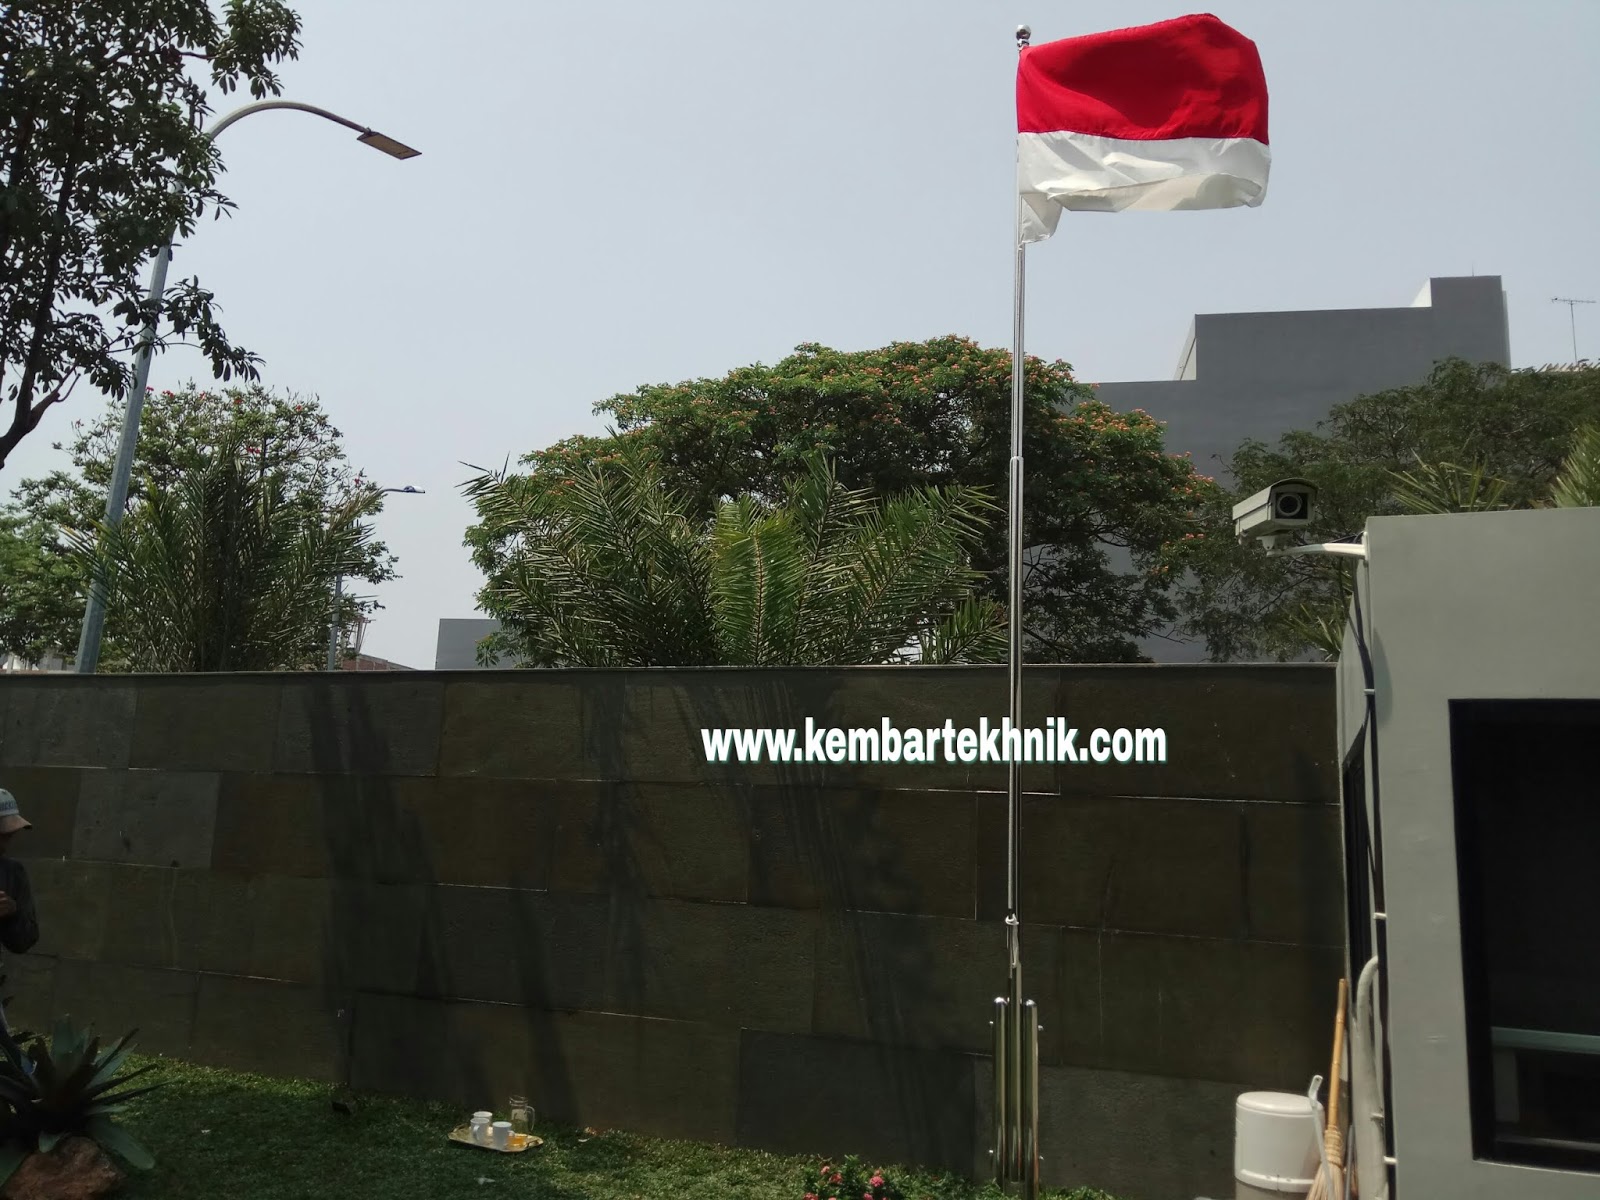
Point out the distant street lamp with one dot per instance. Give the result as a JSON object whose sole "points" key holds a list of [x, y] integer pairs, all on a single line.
{"points": [[95, 614], [338, 590]]}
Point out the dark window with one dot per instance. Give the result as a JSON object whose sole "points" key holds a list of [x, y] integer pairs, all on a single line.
{"points": [[1527, 792], [1357, 855]]}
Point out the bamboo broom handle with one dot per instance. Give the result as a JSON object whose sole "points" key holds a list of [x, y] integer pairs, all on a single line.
{"points": [[1334, 1084]]}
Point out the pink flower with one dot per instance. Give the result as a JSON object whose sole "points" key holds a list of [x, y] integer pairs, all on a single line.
{"points": [[876, 1181]]}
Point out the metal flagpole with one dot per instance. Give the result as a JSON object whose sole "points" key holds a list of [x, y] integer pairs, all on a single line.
{"points": [[1016, 1023]]}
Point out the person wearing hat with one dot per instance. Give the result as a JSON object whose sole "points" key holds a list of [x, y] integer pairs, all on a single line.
{"points": [[19, 923]]}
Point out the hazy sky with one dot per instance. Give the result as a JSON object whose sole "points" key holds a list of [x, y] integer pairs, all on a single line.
{"points": [[626, 193]]}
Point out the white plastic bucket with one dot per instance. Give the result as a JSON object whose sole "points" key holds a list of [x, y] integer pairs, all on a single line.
{"points": [[1274, 1145]]}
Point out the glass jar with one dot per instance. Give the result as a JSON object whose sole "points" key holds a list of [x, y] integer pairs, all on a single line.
{"points": [[521, 1115]]}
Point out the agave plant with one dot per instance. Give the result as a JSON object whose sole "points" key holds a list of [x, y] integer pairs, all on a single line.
{"points": [[63, 1089]]}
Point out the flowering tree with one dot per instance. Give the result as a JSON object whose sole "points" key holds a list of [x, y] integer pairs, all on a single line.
{"points": [[935, 413]]}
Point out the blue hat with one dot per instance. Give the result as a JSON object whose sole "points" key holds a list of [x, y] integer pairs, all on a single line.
{"points": [[11, 820]]}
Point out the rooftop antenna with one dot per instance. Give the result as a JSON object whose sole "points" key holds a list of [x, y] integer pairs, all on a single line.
{"points": [[1572, 314]]}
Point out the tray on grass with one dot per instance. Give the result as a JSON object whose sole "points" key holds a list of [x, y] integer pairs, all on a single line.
{"points": [[462, 1135]]}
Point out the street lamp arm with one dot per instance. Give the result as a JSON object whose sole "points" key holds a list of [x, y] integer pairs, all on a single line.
{"points": [[364, 134], [261, 106]]}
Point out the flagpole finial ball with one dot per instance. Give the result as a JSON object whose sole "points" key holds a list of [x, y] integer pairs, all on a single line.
{"points": [[1024, 35]]}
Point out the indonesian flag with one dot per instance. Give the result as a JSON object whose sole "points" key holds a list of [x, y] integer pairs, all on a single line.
{"points": [[1156, 118]]}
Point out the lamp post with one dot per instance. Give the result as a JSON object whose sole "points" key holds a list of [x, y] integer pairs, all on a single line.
{"points": [[94, 616], [338, 590]]}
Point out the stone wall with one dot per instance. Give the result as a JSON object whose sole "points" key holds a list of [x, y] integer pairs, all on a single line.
{"points": [[463, 885]]}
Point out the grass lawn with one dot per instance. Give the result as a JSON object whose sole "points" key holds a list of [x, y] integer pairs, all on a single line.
{"points": [[219, 1134]]}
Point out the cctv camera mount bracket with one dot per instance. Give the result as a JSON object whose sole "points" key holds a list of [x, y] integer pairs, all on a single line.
{"points": [[1351, 549], [1274, 543]]}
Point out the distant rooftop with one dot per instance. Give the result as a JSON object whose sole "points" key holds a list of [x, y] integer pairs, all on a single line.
{"points": [[1463, 302], [370, 662]]}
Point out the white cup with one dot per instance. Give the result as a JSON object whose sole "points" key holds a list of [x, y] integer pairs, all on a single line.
{"points": [[502, 1134], [480, 1127]]}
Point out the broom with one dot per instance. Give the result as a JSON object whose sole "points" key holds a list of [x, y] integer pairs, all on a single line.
{"points": [[1329, 1184]]}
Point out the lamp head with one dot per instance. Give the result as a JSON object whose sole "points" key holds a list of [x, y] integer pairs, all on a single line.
{"points": [[388, 145]]}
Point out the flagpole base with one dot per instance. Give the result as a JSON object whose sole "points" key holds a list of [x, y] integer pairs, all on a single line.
{"points": [[1015, 1155]]}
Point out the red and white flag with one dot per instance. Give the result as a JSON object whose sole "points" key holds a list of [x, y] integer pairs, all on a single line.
{"points": [[1156, 118]]}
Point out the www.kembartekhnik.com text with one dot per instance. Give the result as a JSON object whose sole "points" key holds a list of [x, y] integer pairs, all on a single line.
{"points": [[1053, 742]]}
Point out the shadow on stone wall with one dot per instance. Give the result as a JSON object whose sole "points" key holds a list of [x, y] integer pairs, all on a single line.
{"points": [[871, 984]]}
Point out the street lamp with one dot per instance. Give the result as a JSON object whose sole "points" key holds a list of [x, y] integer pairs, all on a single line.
{"points": [[338, 590], [94, 615]]}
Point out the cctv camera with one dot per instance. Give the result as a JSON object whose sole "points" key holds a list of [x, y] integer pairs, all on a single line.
{"points": [[1273, 513]]}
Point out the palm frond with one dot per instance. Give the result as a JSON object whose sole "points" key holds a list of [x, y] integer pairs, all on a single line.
{"points": [[227, 569], [1447, 488], [604, 566], [1321, 632], [1578, 485], [975, 632]]}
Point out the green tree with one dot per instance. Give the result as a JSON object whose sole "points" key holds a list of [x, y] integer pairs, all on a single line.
{"points": [[40, 604], [1471, 437], [103, 159], [611, 566], [923, 414], [285, 435], [226, 570]]}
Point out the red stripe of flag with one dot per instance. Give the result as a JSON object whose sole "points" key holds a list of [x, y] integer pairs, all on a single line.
{"points": [[1193, 77]]}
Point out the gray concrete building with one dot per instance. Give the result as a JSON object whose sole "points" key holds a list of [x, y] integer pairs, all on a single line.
{"points": [[457, 648], [1261, 375]]}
